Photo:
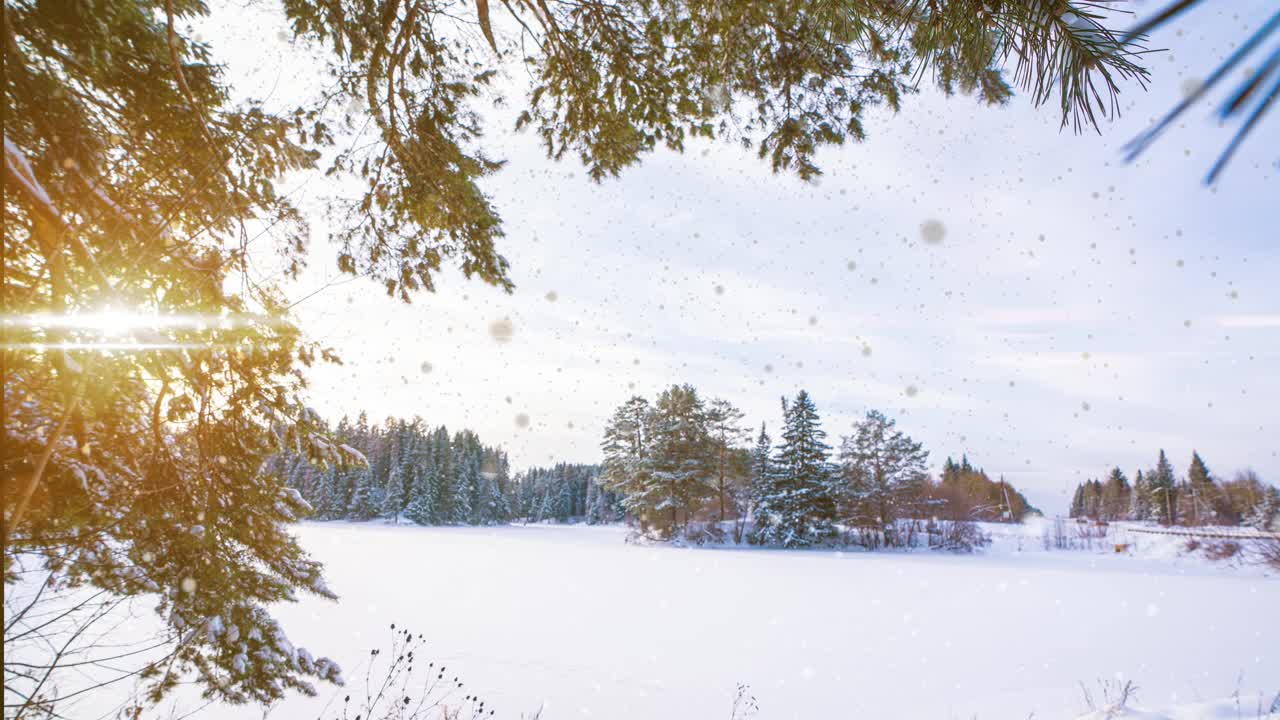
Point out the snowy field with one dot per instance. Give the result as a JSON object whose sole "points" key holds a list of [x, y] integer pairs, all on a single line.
{"points": [[577, 622]]}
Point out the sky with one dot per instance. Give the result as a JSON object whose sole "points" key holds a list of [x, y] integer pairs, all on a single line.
{"points": [[1003, 288]]}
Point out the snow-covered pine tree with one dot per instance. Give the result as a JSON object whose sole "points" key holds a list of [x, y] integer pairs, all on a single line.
{"points": [[799, 504], [444, 477], [558, 505], [881, 466], [682, 457], [1140, 498], [495, 472], [1264, 514], [1115, 496], [422, 506], [366, 497], [472, 487], [591, 502], [393, 502], [1203, 495], [1077, 503], [761, 479], [1163, 491], [1093, 499], [724, 423], [626, 467], [463, 482]]}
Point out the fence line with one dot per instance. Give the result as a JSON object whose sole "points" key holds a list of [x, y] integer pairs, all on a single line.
{"points": [[1212, 534]]}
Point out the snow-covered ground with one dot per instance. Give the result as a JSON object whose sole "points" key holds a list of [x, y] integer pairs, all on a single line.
{"points": [[577, 622]]}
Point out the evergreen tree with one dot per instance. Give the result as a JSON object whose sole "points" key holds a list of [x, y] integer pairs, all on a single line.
{"points": [[1140, 499], [323, 502], [627, 466], [365, 503], [798, 509], [422, 508], [882, 467], [1203, 496], [1265, 513], [682, 455], [495, 474], [725, 426], [761, 470], [1162, 489], [1077, 502], [393, 502], [1115, 499]]}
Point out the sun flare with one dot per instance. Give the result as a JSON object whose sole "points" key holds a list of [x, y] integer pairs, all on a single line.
{"points": [[115, 329]]}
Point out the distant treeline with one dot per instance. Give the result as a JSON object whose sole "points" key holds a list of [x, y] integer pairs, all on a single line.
{"points": [[683, 459], [565, 493], [429, 476], [1199, 498], [414, 472]]}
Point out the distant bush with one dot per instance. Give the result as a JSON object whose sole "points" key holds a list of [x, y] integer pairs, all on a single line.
{"points": [[1224, 550], [957, 536], [1075, 534], [1267, 552]]}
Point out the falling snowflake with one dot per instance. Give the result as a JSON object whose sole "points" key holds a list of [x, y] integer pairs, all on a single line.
{"points": [[933, 231], [502, 330]]}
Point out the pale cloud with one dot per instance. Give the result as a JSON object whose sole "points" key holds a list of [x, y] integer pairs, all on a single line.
{"points": [[1250, 321]]}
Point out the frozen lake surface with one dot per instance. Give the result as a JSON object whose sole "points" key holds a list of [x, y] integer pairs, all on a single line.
{"points": [[577, 622]]}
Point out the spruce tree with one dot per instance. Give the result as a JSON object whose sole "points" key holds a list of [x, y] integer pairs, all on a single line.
{"points": [[1162, 491], [1115, 496], [798, 508], [393, 502], [422, 508], [1140, 499], [1264, 514], [761, 473], [1203, 495], [1077, 502], [366, 497]]}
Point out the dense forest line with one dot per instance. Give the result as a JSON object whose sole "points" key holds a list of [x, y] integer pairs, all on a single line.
{"points": [[678, 461], [1198, 498], [431, 477], [684, 467]]}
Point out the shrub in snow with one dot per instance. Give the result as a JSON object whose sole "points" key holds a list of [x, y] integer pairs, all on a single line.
{"points": [[1267, 552], [403, 685]]}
